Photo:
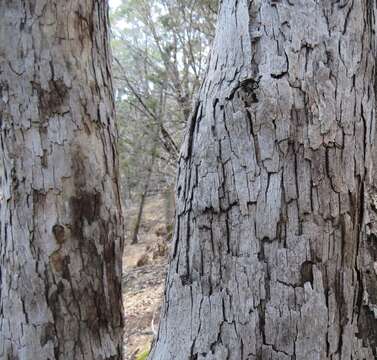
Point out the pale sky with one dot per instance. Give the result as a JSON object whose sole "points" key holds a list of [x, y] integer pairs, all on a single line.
{"points": [[114, 3]]}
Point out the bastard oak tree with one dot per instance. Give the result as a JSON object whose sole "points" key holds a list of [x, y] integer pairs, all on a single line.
{"points": [[275, 247], [61, 223]]}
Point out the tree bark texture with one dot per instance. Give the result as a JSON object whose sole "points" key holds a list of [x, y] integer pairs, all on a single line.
{"points": [[274, 253], [61, 229]]}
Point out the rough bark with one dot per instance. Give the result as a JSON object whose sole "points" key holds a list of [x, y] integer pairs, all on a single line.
{"points": [[61, 229], [274, 255]]}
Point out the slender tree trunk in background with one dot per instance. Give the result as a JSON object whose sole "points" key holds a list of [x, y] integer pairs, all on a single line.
{"points": [[150, 169], [169, 207], [274, 255], [61, 230], [135, 233]]}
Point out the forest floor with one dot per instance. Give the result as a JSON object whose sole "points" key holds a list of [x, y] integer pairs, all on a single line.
{"points": [[144, 276]]}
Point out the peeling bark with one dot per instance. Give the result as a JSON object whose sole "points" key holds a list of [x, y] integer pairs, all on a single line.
{"points": [[61, 230], [274, 253]]}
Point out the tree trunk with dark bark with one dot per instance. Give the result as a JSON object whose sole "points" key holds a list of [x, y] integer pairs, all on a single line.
{"points": [[61, 223], [274, 253]]}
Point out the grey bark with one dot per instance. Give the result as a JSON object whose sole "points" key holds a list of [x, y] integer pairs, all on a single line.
{"points": [[274, 253], [61, 224]]}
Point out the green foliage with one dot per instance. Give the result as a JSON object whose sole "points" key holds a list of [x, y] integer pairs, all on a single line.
{"points": [[143, 355]]}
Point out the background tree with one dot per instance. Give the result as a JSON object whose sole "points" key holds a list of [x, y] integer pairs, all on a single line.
{"points": [[274, 249], [160, 48], [61, 223]]}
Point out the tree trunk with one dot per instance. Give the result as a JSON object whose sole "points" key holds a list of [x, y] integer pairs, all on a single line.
{"points": [[169, 209], [61, 230], [135, 232], [274, 255], [144, 193]]}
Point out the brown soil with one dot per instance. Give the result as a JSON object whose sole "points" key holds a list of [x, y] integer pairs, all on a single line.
{"points": [[144, 284]]}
